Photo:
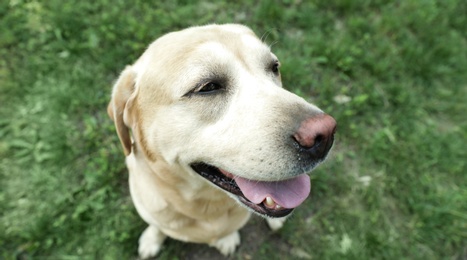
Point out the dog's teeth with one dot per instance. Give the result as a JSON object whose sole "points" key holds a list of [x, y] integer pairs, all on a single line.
{"points": [[270, 203]]}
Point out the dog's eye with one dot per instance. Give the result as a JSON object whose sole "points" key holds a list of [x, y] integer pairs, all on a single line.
{"points": [[275, 67], [209, 87]]}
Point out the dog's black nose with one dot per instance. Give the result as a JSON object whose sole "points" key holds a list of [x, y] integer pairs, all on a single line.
{"points": [[315, 135]]}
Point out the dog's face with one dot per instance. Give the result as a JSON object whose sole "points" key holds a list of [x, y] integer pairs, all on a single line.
{"points": [[210, 99]]}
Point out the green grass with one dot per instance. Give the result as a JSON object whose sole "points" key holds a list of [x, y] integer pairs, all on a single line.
{"points": [[395, 186]]}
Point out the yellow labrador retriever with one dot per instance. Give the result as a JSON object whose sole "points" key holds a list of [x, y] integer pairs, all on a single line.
{"points": [[210, 135]]}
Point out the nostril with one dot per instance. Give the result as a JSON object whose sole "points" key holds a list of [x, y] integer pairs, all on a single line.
{"points": [[315, 134], [318, 139], [308, 143]]}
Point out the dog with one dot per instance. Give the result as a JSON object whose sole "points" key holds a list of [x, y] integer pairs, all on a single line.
{"points": [[210, 136]]}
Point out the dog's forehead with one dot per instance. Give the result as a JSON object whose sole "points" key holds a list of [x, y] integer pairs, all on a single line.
{"points": [[251, 41], [185, 56], [244, 48], [241, 43], [178, 46]]}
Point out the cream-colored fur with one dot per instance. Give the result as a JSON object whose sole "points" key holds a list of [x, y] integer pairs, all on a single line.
{"points": [[164, 124]]}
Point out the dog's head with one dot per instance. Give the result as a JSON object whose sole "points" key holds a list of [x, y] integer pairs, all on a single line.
{"points": [[211, 100]]}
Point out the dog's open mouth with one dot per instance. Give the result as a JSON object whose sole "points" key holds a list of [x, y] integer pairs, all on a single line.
{"points": [[274, 199]]}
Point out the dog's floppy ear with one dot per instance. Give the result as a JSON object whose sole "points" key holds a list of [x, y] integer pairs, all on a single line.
{"points": [[123, 91]]}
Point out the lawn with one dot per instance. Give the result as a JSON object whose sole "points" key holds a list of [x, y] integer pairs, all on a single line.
{"points": [[392, 73]]}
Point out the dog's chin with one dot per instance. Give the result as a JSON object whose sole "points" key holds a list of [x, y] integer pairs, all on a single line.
{"points": [[227, 183]]}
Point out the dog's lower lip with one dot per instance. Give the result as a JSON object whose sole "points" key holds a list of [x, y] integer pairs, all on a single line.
{"points": [[227, 183]]}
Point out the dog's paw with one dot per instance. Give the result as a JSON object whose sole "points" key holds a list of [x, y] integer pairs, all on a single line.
{"points": [[276, 223], [150, 242], [228, 244]]}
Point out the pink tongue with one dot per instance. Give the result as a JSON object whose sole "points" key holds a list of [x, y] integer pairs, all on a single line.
{"points": [[288, 194]]}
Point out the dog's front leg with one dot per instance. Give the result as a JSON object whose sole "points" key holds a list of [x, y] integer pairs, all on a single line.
{"points": [[276, 223], [150, 242], [227, 244]]}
